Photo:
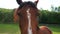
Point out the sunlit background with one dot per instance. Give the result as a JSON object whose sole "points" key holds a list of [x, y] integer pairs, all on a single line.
{"points": [[44, 4], [49, 15]]}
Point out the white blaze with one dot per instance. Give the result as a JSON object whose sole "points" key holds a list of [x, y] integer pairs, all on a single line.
{"points": [[29, 22]]}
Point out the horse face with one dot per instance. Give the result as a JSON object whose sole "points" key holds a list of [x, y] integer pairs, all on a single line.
{"points": [[26, 6]]}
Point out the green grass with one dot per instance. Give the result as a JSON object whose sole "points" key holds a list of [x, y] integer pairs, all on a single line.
{"points": [[14, 29], [9, 29], [54, 27]]}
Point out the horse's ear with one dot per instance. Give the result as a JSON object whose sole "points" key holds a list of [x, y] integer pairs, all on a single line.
{"points": [[36, 2], [19, 1]]}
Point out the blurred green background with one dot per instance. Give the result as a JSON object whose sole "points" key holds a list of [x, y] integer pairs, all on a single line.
{"points": [[46, 17]]}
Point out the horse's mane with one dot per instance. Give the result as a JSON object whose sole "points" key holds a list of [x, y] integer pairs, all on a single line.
{"points": [[28, 3]]}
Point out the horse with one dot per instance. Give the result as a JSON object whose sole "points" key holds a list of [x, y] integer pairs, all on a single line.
{"points": [[27, 14], [15, 16]]}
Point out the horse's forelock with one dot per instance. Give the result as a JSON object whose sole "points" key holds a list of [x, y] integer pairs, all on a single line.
{"points": [[28, 3]]}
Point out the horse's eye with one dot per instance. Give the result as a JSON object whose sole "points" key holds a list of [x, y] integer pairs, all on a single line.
{"points": [[19, 14]]}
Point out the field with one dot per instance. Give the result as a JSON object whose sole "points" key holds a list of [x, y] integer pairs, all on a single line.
{"points": [[14, 29]]}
